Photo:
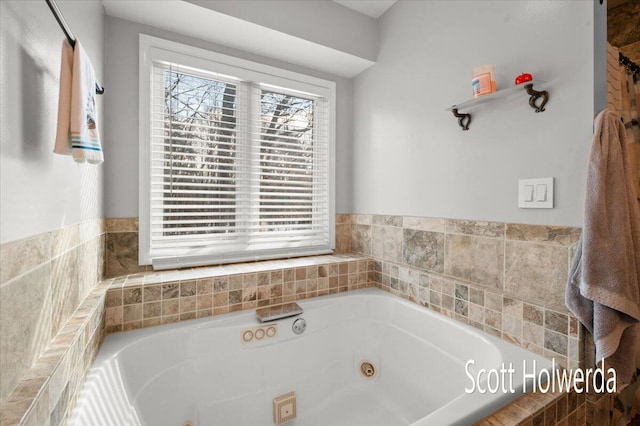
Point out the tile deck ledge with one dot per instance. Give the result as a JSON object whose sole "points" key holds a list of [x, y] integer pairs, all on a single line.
{"points": [[171, 275]]}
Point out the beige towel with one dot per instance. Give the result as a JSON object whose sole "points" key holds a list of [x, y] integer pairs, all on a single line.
{"points": [[77, 133], [603, 290]]}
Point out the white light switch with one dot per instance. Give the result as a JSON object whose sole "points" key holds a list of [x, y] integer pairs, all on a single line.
{"points": [[535, 193], [541, 192], [528, 193]]}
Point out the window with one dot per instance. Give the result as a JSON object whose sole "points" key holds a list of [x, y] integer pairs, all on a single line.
{"points": [[235, 159]]}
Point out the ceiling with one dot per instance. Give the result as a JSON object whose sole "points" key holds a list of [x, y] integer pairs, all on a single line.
{"points": [[194, 19], [372, 8], [623, 27]]}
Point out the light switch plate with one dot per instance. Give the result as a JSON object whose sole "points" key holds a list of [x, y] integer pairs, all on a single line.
{"points": [[542, 196]]}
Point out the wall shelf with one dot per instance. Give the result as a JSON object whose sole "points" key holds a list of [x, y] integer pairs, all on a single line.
{"points": [[464, 119]]}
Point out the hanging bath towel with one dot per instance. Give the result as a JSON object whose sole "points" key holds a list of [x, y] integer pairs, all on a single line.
{"points": [[77, 133], [603, 291]]}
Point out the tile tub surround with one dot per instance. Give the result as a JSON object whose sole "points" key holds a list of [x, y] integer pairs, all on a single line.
{"points": [[46, 394], [51, 320], [506, 279], [193, 298], [43, 279], [153, 298]]}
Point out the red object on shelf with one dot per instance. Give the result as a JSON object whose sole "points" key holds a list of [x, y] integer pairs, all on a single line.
{"points": [[523, 78]]}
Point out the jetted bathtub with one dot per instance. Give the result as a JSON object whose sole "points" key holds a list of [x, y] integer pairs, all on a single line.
{"points": [[201, 372]]}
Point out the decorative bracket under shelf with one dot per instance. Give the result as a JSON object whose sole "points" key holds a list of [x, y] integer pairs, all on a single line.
{"points": [[535, 95], [464, 119], [461, 119]]}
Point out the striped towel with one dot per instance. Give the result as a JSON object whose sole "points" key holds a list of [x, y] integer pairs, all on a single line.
{"points": [[77, 133]]}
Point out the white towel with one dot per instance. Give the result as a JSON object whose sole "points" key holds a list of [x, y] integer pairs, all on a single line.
{"points": [[77, 133]]}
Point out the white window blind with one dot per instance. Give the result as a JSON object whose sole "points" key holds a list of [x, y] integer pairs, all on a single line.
{"points": [[238, 169]]}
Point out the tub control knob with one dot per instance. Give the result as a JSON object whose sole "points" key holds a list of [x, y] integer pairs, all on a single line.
{"points": [[271, 331], [259, 333], [247, 336], [299, 326]]}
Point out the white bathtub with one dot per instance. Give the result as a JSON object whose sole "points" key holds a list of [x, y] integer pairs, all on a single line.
{"points": [[201, 371]]}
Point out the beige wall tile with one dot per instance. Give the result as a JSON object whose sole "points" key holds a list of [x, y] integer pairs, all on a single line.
{"points": [[205, 301], [125, 224], [533, 314], [152, 293], [188, 304], [113, 315], [533, 333], [65, 296], [102, 256], [386, 243], [64, 239], [556, 342], [25, 324], [170, 307], [343, 237], [12, 412], [536, 272], [90, 265], [476, 259], [423, 249], [424, 223], [560, 235], [493, 319], [122, 254], [343, 219], [512, 308], [132, 313], [386, 220], [18, 257], [556, 321], [474, 227], [361, 239], [151, 310], [113, 298], [361, 219]]}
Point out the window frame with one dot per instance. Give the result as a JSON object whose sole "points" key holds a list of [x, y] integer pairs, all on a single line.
{"points": [[153, 48]]}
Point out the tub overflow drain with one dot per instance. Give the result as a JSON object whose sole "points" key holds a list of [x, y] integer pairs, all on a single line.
{"points": [[367, 370], [299, 326]]}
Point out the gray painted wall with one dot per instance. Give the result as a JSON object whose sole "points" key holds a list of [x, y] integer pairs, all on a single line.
{"points": [[121, 70], [42, 191], [410, 156], [600, 55]]}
